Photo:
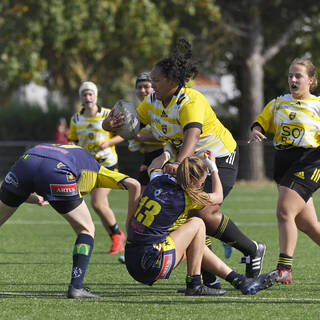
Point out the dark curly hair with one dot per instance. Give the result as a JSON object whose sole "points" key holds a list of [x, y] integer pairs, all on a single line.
{"points": [[178, 66]]}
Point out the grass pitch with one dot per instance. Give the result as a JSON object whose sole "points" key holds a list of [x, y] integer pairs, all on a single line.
{"points": [[35, 265]]}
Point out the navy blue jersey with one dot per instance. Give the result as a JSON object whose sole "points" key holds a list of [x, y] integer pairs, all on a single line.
{"points": [[74, 157], [162, 203], [58, 173]]}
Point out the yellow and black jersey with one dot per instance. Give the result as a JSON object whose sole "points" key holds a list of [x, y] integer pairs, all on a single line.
{"points": [[161, 144], [88, 133], [294, 123], [188, 108]]}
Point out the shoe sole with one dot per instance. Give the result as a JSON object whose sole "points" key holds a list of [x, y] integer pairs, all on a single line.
{"points": [[220, 292], [267, 282]]}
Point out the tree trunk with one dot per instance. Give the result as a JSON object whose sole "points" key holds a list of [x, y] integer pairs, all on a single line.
{"points": [[251, 156]]}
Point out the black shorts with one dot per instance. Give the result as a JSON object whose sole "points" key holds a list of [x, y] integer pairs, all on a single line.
{"points": [[298, 169], [143, 177], [228, 172]]}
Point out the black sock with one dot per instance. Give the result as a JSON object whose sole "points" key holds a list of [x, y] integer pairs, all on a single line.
{"points": [[192, 281], [115, 229], [229, 233], [285, 261], [234, 278], [207, 277], [81, 256]]}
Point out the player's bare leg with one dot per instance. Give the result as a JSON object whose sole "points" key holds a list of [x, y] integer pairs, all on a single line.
{"points": [[100, 203]]}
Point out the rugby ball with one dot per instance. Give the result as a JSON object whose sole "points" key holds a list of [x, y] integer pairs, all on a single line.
{"points": [[131, 124]]}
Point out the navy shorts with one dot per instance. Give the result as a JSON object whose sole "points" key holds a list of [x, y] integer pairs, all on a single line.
{"points": [[143, 177], [298, 169], [47, 177], [148, 263], [228, 171]]}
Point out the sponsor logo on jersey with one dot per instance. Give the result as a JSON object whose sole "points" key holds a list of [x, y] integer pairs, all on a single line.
{"points": [[157, 192], [11, 178], [64, 189]]}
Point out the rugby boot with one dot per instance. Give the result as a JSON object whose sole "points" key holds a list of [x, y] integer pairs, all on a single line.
{"points": [[117, 243], [254, 263], [74, 293], [284, 275], [250, 286], [202, 290]]}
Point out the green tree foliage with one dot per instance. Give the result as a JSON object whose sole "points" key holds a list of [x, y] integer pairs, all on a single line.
{"points": [[258, 36], [61, 43]]}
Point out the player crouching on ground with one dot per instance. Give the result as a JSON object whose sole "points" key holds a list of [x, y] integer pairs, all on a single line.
{"points": [[61, 174], [152, 251]]}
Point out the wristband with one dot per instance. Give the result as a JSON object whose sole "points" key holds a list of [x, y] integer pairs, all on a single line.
{"points": [[211, 165]]}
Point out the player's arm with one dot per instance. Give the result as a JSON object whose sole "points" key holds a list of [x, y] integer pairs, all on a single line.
{"points": [[257, 134], [134, 189], [190, 139], [113, 122], [110, 142], [36, 199], [159, 162], [216, 194]]}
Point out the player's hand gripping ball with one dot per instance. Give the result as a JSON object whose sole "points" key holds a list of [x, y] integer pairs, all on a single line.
{"points": [[131, 123]]}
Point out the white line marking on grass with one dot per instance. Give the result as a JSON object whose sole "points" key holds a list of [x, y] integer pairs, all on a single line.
{"points": [[32, 294], [249, 298], [273, 299]]}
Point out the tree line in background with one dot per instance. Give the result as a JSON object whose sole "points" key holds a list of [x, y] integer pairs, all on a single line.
{"points": [[59, 43]]}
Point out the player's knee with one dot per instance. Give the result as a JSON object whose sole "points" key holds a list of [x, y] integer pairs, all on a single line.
{"points": [[283, 214], [89, 228], [197, 223], [99, 205]]}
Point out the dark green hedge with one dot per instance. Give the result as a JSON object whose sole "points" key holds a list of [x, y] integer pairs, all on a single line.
{"points": [[26, 122]]}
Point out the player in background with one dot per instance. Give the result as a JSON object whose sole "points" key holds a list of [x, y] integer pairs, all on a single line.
{"points": [[152, 251], [150, 149], [294, 119], [86, 131], [61, 174], [61, 132], [183, 118]]}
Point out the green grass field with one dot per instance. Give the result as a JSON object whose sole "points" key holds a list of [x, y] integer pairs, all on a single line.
{"points": [[35, 265]]}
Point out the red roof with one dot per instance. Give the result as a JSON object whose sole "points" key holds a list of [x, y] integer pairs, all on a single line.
{"points": [[202, 80]]}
